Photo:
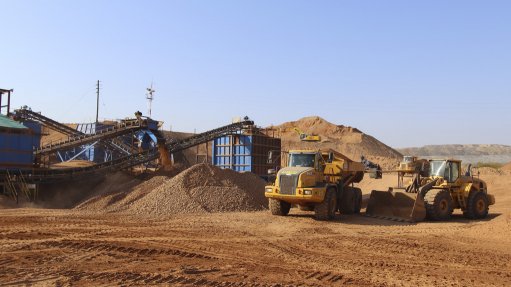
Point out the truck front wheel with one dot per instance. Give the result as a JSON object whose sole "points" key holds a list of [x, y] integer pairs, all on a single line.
{"points": [[326, 209], [279, 207]]}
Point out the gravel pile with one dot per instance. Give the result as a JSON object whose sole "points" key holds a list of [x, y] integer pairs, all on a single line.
{"points": [[201, 188]]}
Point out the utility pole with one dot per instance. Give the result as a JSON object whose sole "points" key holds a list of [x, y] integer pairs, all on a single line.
{"points": [[97, 101]]}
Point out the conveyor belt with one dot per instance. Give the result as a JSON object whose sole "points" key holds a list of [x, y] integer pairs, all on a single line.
{"points": [[26, 114], [39, 175], [120, 129]]}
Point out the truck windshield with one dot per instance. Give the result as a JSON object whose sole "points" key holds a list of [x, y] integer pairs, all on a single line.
{"points": [[438, 167], [302, 159]]}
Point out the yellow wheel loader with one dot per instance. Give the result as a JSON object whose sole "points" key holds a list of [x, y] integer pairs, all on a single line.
{"points": [[319, 181], [435, 196]]}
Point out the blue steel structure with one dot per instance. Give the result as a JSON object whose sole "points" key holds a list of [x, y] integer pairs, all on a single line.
{"points": [[245, 152], [90, 152], [143, 139]]}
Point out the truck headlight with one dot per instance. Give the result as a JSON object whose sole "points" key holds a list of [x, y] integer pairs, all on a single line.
{"points": [[307, 192], [269, 189]]}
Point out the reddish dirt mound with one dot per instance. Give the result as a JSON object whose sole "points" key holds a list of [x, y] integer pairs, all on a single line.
{"points": [[201, 188], [347, 140]]}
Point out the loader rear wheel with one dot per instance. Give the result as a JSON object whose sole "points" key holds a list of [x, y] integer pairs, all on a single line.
{"points": [[326, 209], [477, 206], [438, 205], [348, 201], [279, 207]]}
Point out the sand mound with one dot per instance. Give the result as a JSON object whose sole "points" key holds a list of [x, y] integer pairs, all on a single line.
{"points": [[347, 140], [506, 167], [201, 188]]}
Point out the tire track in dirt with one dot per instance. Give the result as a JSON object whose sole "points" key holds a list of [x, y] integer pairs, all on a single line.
{"points": [[94, 246], [129, 278]]}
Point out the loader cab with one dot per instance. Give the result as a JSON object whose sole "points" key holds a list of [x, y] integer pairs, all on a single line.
{"points": [[446, 169]]}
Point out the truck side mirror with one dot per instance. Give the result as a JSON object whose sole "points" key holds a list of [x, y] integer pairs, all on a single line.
{"points": [[271, 171], [330, 157]]}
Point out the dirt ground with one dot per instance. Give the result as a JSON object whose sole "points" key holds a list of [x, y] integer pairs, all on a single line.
{"points": [[43, 247]]}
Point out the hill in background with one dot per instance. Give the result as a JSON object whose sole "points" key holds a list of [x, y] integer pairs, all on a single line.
{"points": [[470, 153], [347, 140]]}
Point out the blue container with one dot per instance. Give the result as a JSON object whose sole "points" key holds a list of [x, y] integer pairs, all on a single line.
{"points": [[16, 150], [36, 129], [245, 153]]}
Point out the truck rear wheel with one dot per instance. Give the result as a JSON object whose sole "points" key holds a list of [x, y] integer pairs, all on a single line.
{"points": [[348, 201], [358, 200], [438, 204], [278, 207], [326, 209], [477, 206]]}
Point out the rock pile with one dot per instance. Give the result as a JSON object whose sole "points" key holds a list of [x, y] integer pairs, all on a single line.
{"points": [[201, 188]]}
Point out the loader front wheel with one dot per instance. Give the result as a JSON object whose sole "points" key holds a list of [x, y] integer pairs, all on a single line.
{"points": [[438, 205], [477, 206], [326, 209], [279, 207]]}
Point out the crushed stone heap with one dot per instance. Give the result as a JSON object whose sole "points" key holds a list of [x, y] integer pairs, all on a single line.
{"points": [[201, 188]]}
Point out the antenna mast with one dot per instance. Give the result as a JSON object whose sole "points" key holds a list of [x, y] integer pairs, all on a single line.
{"points": [[150, 96], [97, 101]]}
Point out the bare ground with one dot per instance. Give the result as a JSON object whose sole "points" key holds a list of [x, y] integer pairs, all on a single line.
{"points": [[68, 247]]}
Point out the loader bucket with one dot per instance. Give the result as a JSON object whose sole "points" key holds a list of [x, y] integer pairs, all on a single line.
{"points": [[396, 205]]}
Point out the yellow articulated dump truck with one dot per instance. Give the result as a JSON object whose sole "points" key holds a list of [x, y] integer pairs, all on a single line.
{"points": [[433, 194], [319, 181]]}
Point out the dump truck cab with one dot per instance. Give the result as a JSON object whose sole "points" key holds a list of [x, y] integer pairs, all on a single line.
{"points": [[316, 180]]}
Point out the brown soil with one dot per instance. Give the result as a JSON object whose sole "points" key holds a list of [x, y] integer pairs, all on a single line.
{"points": [[347, 140], [73, 247]]}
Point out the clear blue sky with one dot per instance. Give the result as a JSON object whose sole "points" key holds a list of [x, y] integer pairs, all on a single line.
{"points": [[409, 73]]}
